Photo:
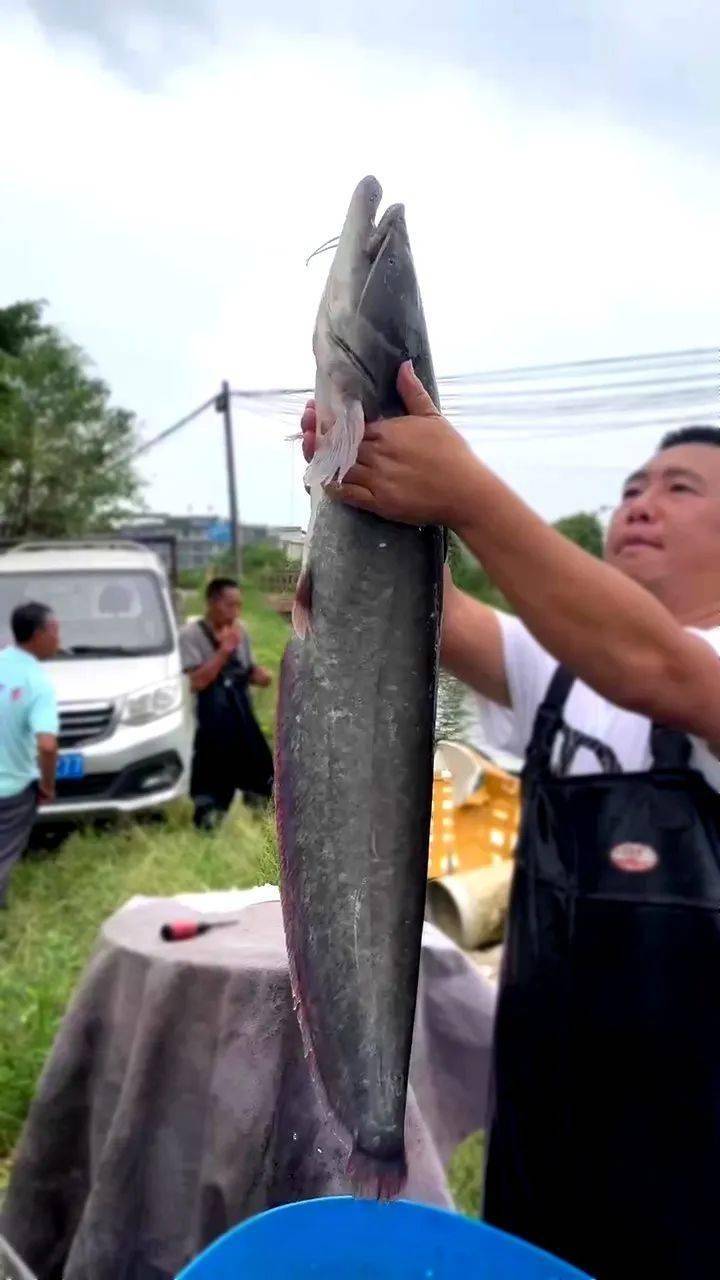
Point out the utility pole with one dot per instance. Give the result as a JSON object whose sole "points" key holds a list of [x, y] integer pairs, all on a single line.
{"points": [[222, 405]]}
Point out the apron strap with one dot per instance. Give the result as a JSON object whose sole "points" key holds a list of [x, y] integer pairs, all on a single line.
{"points": [[573, 740], [549, 719], [549, 723], [670, 748], [209, 634]]}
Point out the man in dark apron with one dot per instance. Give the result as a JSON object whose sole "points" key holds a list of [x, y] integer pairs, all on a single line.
{"points": [[230, 752], [604, 1144]]}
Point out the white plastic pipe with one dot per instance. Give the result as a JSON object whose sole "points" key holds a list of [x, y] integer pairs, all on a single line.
{"points": [[471, 906]]}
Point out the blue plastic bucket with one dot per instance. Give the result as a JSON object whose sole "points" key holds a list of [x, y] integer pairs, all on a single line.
{"points": [[344, 1239]]}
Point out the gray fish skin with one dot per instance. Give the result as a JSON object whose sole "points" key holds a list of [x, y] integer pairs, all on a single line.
{"points": [[356, 721]]}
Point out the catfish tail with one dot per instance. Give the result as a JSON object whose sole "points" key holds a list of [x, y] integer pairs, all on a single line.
{"points": [[377, 1178]]}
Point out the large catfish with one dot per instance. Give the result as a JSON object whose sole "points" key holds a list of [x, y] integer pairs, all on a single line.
{"points": [[356, 714]]}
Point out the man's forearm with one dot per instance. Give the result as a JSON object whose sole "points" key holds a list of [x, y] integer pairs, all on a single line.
{"points": [[608, 630], [261, 677], [202, 676], [47, 763], [471, 644]]}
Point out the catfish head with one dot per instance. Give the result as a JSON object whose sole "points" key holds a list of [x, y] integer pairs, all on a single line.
{"points": [[369, 321]]}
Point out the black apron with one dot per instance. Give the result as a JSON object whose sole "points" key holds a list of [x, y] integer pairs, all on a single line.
{"points": [[604, 1146], [230, 752]]}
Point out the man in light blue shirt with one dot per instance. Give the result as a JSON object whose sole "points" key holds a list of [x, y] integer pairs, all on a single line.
{"points": [[28, 730]]}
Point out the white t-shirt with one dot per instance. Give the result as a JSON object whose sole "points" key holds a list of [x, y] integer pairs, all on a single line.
{"points": [[529, 669]]}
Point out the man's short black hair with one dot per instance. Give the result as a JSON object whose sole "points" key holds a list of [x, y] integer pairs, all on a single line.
{"points": [[216, 587], [700, 434], [28, 619]]}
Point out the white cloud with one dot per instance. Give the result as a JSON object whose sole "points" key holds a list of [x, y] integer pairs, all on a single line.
{"points": [[170, 229]]}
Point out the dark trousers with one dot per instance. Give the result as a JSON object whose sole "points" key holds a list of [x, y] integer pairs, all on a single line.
{"points": [[212, 803], [217, 774], [17, 815]]}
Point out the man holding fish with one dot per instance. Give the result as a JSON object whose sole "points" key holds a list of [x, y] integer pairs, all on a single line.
{"points": [[605, 1137]]}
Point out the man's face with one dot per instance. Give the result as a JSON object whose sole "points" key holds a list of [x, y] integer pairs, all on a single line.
{"points": [[667, 527], [48, 639], [225, 608]]}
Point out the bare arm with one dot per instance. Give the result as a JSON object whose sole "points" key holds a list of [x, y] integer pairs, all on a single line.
{"points": [[261, 677], [47, 750], [201, 677], [606, 628], [471, 645], [207, 672]]}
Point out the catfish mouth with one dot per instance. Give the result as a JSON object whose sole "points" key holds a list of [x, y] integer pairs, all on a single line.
{"points": [[379, 249], [376, 248], [391, 222]]}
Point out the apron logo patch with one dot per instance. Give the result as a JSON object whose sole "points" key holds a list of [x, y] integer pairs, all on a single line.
{"points": [[633, 857]]}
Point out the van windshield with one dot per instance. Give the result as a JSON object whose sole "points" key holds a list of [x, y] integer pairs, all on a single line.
{"points": [[110, 614]]}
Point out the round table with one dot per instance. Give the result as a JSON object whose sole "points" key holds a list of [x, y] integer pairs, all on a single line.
{"points": [[177, 1100]]}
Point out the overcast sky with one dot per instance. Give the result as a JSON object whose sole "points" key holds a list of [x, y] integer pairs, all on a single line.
{"points": [[163, 179]]}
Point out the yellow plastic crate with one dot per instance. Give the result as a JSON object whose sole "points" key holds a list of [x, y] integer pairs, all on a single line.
{"points": [[478, 832]]}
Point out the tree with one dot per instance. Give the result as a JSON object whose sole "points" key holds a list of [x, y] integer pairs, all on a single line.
{"points": [[64, 450], [20, 324], [469, 575], [584, 528]]}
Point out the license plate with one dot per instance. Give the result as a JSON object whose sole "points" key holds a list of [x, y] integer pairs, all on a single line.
{"points": [[70, 766]]}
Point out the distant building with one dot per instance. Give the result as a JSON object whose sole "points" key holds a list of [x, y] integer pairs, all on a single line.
{"points": [[292, 542], [200, 539]]}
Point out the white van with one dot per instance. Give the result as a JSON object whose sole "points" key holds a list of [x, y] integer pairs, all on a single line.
{"points": [[126, 720]]}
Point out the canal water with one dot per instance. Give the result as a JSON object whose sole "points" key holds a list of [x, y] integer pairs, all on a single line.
{"points": [[454, 719], [459, 719]]}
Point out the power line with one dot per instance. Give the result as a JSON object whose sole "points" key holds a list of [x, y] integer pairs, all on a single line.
{"points": [[573, 369], [623, 394], [170, 431], [648, 360], [272, 391]]}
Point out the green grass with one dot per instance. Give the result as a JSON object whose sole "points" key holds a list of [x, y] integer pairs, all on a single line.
{"points": [[466, 1174], [58, 902], [268, 636]]}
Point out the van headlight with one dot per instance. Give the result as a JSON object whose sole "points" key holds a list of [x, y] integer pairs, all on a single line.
{"points": [[153, 703]]}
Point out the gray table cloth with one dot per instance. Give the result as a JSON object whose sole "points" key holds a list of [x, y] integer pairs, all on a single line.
{"points": [[177, 1101]]}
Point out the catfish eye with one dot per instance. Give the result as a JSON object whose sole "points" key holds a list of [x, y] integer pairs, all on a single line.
{"points": [[391, 261]]}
